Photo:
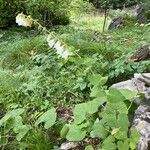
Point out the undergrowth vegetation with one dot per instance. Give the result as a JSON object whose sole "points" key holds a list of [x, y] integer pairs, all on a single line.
{"points": [[46, 100]]}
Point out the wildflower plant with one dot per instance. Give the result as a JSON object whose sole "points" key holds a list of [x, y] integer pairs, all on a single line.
{"points": [[62, 49]]}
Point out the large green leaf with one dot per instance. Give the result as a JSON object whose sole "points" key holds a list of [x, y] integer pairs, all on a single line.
{"points": [[115, 96], [109, 143], [81, 110], [92, 106], [121, 135], [49, 118], [123, 122], [128, 94], [80, 113], [110, 120], [97, 92], [97, 79], [75, 133], [113, 108], [11, 114], [98, 130]]}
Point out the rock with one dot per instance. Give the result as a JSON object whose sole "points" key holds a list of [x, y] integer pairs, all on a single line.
{"points": [[68, 146], [116, 23], [144, 77], [143, 53], [140, 13], [141, 122], [133, 85], [141, 17]]}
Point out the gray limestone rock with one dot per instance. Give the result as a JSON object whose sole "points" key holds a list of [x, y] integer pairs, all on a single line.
{"points": [[141, 122]]}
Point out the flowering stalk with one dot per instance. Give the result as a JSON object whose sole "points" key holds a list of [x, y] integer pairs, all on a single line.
{"points": [[61, 48]]}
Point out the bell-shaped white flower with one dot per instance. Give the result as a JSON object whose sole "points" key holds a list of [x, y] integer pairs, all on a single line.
{"points": [[51, 43], [23, 20], [57, 45], [66, 54], [60, 49]]}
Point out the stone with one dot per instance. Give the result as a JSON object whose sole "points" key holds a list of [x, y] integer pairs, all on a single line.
{"points": [[140, 13], [116, 23], [141, 122], [143, 53], [68, 146]]}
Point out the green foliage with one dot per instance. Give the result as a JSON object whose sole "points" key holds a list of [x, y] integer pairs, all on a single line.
{"points": [[114, 3], [49, 12], [8, 11], [48, 117], [37, 139], [33, 78], [110, 124], [13, 120]]}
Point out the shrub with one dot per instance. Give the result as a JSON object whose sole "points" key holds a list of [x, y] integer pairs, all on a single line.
{"points": [[49, 12], [8, 10]]}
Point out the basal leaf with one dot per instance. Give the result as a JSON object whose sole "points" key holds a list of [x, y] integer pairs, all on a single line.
{"points": [[115, 96], [98, 130], [49, 118], [81, 110], [128, 94], [92, 106], [75, 133], [115, 108], [110, 120], [97, 79], [97, 92], [80, 113]]}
